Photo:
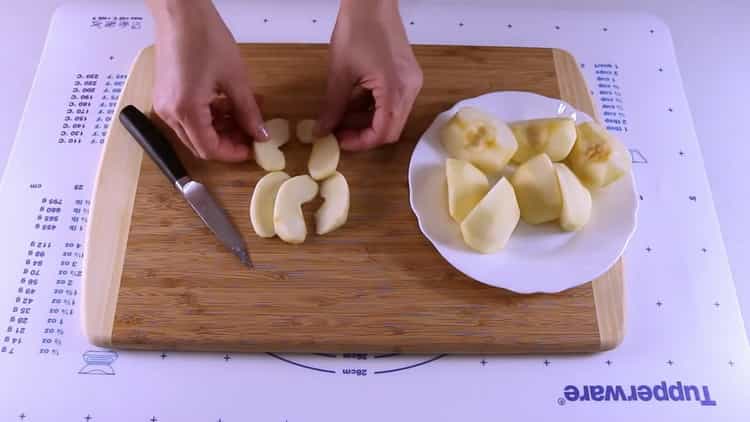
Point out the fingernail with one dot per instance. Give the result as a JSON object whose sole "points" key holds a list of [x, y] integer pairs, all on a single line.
{"points": [[264, 133]]}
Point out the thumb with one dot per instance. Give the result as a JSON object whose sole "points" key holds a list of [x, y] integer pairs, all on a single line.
{"points": [[246, 111], [338, 91]]}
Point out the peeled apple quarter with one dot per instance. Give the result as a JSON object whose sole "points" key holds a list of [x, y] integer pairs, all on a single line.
{"points": [[554, 137], [537, 189], [479, 138], [576, 200], [466, 187], [267, 154], [262, 202], [598, 158], [489, 225]]}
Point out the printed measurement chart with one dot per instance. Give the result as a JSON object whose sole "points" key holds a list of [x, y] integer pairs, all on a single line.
{"points": [[685, 355], [610, 97]]}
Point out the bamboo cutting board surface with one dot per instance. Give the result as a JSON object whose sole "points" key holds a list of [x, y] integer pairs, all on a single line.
{"points": [[156, 278]]}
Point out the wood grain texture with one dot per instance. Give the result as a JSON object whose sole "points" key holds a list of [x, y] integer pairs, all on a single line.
{"points": [[374, 285], [109, 215]]}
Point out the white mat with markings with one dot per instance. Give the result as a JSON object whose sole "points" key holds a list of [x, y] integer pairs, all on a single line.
{"points": [[685, 355]]}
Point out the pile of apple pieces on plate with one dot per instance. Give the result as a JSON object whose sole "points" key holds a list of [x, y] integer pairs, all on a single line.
{"points": [[556, 163], [276, 203]]}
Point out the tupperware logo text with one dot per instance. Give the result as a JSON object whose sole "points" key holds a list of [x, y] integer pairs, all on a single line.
{"points": [[677, 392]]}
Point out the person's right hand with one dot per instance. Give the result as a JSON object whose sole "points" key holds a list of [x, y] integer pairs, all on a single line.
{"points": [[201, 88]]}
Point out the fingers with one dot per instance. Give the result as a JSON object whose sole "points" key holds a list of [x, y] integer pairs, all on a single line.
{"points": [[193, 123], [401, 115], [245, 109], [180, 132], [338, 91], [360, 100], [358, 140], [216, 130], [172, 130], [198, 126], [383, 116], [404, 94], [221, 107], [394, 99], [356, 120]]}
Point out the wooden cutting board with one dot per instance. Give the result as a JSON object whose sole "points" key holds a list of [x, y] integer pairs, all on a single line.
{"points": [[155, 277]]}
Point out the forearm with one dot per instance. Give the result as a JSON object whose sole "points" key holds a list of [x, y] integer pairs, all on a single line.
{"points": [[369, 9], [172, 14]]}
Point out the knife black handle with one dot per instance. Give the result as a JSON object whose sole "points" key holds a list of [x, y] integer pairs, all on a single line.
{"points": [[153, 142]]}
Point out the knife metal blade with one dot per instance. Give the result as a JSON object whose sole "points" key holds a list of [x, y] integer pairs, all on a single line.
{"points": [[158, 148], [214, 217]]}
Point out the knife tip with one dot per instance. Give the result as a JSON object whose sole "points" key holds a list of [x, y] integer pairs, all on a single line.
{"points": [[245, 258]]}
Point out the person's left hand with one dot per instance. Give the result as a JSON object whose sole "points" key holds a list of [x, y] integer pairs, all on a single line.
{"points": [[373, 76]]}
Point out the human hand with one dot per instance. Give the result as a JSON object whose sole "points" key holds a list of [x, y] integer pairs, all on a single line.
{"points": [[201, 88], [373, 77]]}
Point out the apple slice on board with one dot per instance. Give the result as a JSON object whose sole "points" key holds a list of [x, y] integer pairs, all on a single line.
{"points": [[262, 202], [288, 220], [335, 210], [267, 154], [324, 157], [305, 131]]}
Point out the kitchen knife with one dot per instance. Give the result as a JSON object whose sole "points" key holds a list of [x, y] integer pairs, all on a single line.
{"points": [[158, 148]]}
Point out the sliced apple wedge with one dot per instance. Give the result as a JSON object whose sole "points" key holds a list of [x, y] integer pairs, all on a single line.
{"points": [[335, 210], [479, 138], [267, 154], [261, 203], [324, 157], [288, 221], [554, 137], [489, 225], [598, 158], [537, 189], [305, 131], [466, 187], [576, 200]]}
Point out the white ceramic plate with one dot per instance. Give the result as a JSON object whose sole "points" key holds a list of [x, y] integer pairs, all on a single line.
{"points": [[539, 258]]}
